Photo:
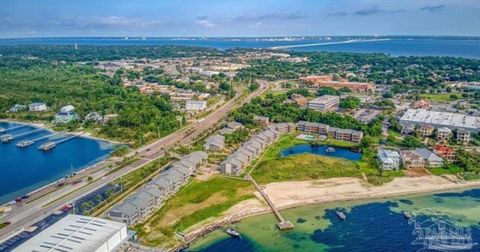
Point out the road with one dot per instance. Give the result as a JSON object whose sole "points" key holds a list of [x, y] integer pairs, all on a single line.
{"points": [[30, 213]]}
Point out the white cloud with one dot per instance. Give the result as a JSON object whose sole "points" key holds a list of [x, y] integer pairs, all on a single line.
{"points": [[205, 23]]}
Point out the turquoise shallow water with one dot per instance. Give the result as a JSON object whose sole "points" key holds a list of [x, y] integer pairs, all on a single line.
{"points": [[24, 170], [369, 226]]}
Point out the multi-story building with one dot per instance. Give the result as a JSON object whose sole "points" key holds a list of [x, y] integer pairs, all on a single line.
{"points": [[195, 105], [388, 159], [425, 130], [411, 160], [463, 136], [440, 119], [324, 103], [444, 134], [215, 143], [37, 107], [446, 152], [262, 120]]}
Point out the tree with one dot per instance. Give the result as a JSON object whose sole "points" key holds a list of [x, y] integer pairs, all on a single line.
{"points": [[252, 87], [387, 95], [327, 91], [411, 142], [350, 102]]}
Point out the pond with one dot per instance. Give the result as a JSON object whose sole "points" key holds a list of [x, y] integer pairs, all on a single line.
{"points": [[322, 150]]}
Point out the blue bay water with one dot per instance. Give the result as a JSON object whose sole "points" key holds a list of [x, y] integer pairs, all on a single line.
{"points": [[370, 226], [321, 150], [468, 48], [24, 170]]}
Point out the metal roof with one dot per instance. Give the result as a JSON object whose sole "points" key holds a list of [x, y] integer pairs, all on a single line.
{"points": [[74, 233]]}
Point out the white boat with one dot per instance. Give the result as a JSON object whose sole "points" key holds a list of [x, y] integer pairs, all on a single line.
{"points": [[330, 149], [407, 215], [233, 233], [341, 215]]}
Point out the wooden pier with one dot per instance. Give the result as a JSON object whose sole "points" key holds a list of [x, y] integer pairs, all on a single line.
{"points": [[282, 224]]}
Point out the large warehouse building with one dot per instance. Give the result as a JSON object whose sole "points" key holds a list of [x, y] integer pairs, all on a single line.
{"points": [[78, 233], [440, 119]]}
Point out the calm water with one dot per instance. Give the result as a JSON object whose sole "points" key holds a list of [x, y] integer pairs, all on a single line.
{"points": [[397, 47], [320, 150], [24, 170], [369, 226]]}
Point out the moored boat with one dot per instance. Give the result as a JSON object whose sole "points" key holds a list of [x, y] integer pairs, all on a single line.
{"points": [[330, 149], [341, 215], [233, 233], [407, 215]]}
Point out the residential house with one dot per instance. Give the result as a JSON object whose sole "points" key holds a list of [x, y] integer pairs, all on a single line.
{"points": [[430, 158], [17, 108], [214, 143], [388, 159], [262, 120], [37, 107], [411, 160]]}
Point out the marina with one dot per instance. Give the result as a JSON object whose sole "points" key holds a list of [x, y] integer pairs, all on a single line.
{"points": [[8, 137], [26, 168]]}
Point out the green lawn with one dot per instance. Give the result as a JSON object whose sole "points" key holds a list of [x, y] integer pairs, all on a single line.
{"points": [[274, 168], [442, 98], [450, 169], [196, 202]]}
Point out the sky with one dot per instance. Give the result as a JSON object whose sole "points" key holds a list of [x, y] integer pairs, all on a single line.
{"points": [[241, 18]]}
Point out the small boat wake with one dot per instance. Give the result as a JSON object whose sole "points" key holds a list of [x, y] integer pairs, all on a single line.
{"points": [[328, 43]]}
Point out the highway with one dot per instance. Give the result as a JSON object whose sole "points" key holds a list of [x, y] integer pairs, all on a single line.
{"points": [[32, 212]]}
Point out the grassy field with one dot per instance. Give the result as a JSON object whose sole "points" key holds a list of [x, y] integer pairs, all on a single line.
{"points": [[451, 169], [198, 201], [304, 167], [441, 98]]}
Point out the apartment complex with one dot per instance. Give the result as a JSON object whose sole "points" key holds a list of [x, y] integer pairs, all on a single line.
{"points": [[261, 120], [140, 204], [464, 136], [444, 134], [250, 150], [332, 132], [214, 143], [324, 103], [327, 81]]}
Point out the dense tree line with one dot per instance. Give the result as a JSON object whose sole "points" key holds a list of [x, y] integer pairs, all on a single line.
{"points": [[370, 67], [140, 117], [99, 53]]}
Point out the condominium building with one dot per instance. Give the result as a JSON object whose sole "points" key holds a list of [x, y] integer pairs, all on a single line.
{"points": [[324, 103], [444, 134], [425, 130], [262, 120], [214, 143], [463, 136], [439, 119]]}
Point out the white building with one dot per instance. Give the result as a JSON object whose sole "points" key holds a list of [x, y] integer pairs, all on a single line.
{"points": [[388, 159], [67, 109], [78, 233], [431, 159], [324, 103], [195, 105], [37, 107], [439, 119]]}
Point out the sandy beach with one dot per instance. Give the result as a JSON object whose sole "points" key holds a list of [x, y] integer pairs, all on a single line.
{"points": [[301, 193]]}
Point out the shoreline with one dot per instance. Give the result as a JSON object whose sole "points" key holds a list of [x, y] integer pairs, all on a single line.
{"points": [[255, 207], [93, 164]]}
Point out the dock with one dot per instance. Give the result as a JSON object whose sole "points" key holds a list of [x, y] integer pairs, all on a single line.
{"points": [[282, 224], [8, 137], [26, 143], [50, 145], [3, 130]]}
